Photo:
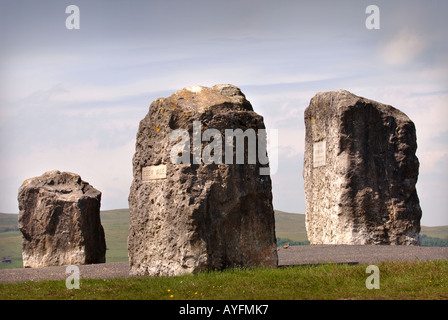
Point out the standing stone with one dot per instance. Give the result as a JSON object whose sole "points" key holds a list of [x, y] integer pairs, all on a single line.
{"points": [[360, 171], [188, 217], [60, 221]]}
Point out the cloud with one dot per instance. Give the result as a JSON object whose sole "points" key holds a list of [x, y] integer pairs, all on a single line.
{"points": [[41, 97], [403, 48]]}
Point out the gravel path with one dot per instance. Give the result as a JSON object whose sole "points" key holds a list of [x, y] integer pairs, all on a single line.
{"points": [[294, 255], [99, 271]]}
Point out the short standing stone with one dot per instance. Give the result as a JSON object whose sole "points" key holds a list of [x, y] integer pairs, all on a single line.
{"points": [[187, 217], [360, 171], [60, 221]]}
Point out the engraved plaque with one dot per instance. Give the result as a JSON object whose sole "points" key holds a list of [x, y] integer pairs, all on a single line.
{"points": [[319, 154], [154, 172]]}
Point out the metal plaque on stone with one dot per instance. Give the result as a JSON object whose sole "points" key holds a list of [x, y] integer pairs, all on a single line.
{"points": [[319, 154], [154, 172]]}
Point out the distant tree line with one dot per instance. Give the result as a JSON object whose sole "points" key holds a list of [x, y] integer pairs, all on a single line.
{"points": [[425, 241], [6, 229], [433, 242], [282, 241]]}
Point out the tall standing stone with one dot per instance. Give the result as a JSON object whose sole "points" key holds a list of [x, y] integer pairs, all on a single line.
{"points": [[196, 214], [360, 171], [60, 221]]}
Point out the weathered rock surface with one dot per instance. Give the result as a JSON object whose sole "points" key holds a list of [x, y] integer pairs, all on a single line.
{"points": [[60, 221], [189, 217], [360, 171]]}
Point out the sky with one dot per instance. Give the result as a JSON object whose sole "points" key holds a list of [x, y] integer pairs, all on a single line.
{"points": [[72, 99]]}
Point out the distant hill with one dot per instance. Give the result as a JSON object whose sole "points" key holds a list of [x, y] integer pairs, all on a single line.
{"points": [[435, 232], [10, 242], [8, 222], [288, 227], [116, 228]]}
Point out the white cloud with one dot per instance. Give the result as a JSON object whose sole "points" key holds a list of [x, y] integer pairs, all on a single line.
{"points": [[403, 48]]}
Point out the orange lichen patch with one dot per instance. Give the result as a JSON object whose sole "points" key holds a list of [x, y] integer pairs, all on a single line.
{"points": [[157, 128], [171, 104]]}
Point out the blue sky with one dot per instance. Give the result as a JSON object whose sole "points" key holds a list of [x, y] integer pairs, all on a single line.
{"points": [[72, 99]]}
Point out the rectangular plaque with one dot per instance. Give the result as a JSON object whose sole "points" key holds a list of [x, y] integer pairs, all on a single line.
{"points": [[154, 172], [319, 154]]}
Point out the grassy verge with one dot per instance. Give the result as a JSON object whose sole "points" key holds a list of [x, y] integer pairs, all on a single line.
{"points": [[398, 280]]}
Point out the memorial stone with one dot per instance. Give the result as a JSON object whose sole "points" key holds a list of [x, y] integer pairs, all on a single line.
{"points": [[190, 209], [360, 172], [60, 221]]}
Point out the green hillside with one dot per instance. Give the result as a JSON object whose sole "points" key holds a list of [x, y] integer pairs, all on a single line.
{"points": [[435, 232], [116, 228], [288, 226], [10, 242]]}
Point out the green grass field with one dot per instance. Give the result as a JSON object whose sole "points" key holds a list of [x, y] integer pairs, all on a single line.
{"points": [[397, 280], [288, 227]]}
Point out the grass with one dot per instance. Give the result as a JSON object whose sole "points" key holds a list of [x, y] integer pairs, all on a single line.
{"points": [[398, 280]]}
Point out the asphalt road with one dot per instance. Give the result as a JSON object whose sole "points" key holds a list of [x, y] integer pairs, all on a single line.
{"points": [[294, 255]]}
